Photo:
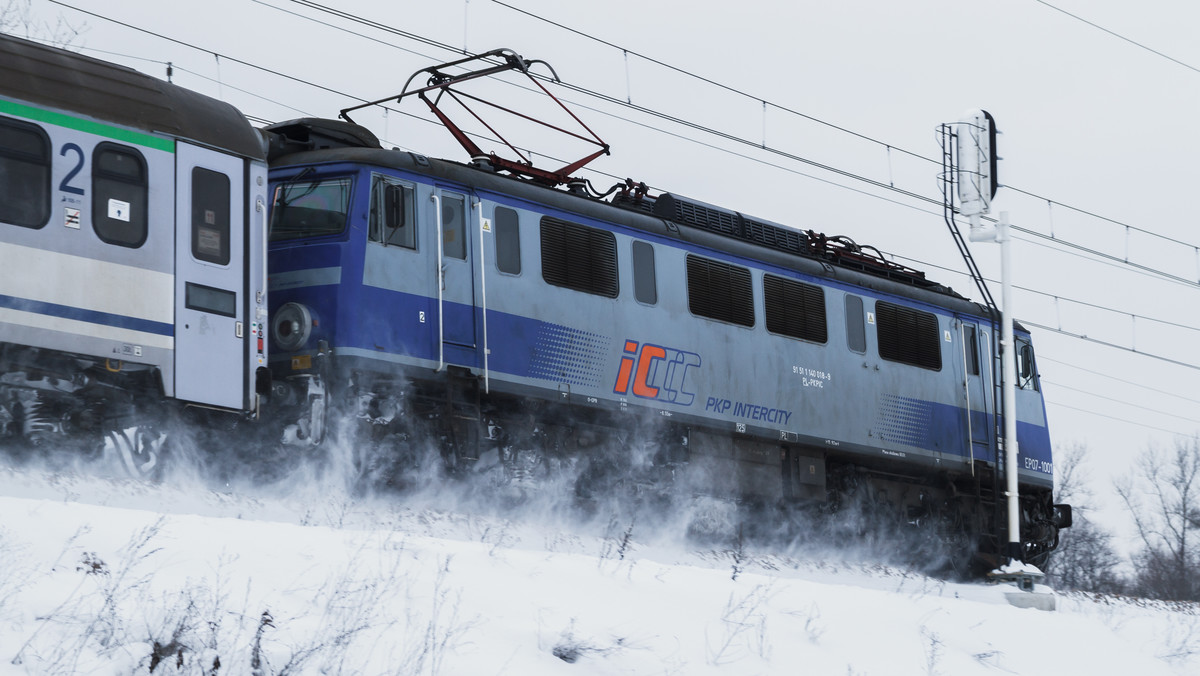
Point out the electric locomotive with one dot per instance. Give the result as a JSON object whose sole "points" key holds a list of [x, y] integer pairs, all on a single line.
{"points": [[658, 341], [132, 240], [648, 342]]}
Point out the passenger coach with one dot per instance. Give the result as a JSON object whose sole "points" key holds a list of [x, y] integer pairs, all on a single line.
{"points": [[132, 235]]}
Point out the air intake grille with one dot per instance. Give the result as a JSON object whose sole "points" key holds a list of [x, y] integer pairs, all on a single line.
{"points": [[698, 215], [578, 257], [784, 239], [908, 336], [794, 309], [719, 291]]}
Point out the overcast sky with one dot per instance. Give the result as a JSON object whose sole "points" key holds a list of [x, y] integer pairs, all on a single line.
{"points": [[1089, 121]]}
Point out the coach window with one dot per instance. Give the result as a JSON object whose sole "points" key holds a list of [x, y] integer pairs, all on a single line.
{"points": [[578, 257], [210, 216], [1026, 369], [393, 213], [856, 330], [508, 241], [310, 208], [454, 226], [719, 291], [119, 195], [24, 171], [645, 286], [908, 336], [794, 309]]}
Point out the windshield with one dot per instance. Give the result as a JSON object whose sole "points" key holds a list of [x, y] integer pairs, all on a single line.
{"points": [[310, 208]]}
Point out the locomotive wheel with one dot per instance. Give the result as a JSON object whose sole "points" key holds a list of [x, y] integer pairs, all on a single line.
{"points": [[138, 451]]}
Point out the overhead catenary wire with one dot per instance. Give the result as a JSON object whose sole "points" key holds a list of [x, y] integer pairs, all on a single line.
{"points": [[1097, 341], [884, 185], [406, 34], [765, 102], [215, 53], [1117, 35], [1054, 383], [1109, 376], [605, 97], [1125, 313], [1118, 419], [879, 184]]}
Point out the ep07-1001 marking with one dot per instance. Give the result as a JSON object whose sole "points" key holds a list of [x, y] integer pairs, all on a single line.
{"points": [[1043, 466]]}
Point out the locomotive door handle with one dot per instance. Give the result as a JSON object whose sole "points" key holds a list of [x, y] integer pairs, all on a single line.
{"points": [[442, 275]]}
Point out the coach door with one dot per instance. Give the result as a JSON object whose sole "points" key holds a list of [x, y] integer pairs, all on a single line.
{"points": [[210, 281], [458, 220]]}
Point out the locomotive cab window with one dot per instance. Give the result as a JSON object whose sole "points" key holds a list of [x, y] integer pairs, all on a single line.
{"points": [[508, 241], [794, 309], [908, 336], [25, 171], [393, 213], [719, 291], [119, 195], [578, 257], [310, 208], [210, 216]]}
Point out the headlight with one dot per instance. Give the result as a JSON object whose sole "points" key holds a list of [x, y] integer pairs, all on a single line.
{"points": [[291, 327]]}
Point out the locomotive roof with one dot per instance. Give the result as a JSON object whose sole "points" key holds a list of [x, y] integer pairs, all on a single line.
{"points": [[67, 81], [325, 141]]}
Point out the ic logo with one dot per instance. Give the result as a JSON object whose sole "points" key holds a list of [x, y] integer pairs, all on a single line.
{"points": [[656, 372]]}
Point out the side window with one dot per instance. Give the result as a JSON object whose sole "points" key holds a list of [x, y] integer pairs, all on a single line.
{"points": [[25, 171], [1026, 369], [719, 291], [971, 345], [393, 213], [794, 309], [454, 226], [508, 241], [119, 195], [645, 287], [908, 336], [210, 216], [856, 330], [578, 257]]}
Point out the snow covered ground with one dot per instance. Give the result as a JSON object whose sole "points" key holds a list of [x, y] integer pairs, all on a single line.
{"points": [[116, 577]]}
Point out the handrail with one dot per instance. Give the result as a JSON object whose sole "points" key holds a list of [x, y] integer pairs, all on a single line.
{"points": [[437, 215], [483, 294], [962, 336]]}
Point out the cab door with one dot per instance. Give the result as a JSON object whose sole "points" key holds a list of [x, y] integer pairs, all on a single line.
{"points": [[210, 278], [978, 388], [457, 269]]}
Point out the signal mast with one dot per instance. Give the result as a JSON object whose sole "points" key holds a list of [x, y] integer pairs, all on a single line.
{"points": [[972, 160]]}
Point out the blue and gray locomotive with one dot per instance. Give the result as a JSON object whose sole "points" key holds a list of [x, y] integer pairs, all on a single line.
{"points": [[648, 339]]}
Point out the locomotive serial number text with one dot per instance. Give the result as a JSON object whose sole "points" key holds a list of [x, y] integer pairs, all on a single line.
{"points": [[1036, 465], [812, 377]]}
